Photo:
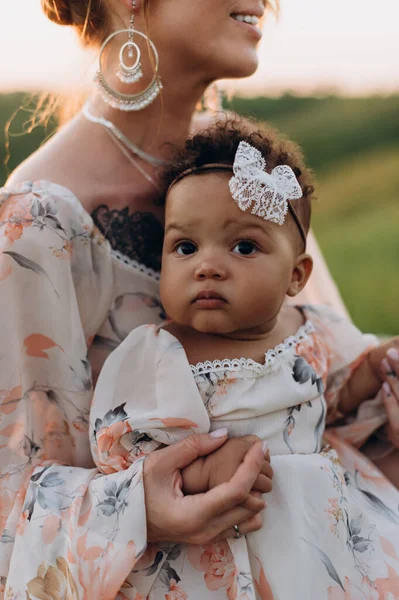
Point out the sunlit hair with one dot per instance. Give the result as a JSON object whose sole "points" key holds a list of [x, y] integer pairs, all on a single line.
{"points": [[90, 18], [219, 144]]}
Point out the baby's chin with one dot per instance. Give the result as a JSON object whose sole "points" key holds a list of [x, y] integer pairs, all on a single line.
{"points": [[212, 325]]}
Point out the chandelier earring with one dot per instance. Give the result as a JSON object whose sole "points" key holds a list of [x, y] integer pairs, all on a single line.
{"points": [[129, 73]]}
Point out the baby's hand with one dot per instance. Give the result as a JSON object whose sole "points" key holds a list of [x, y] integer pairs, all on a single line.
{"points": [[218, 467]]}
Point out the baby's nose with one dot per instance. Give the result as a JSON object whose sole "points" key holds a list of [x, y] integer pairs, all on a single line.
{"points": [[207, 270]]}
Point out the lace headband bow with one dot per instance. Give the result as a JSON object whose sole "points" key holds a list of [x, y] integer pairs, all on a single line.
{"points": [[268, 193]]}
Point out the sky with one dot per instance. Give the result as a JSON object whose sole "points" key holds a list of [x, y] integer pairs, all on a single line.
{"points": [[317, 45]]}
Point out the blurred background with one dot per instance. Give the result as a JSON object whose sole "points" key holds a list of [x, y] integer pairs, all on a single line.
{"points": [[328, 78]]}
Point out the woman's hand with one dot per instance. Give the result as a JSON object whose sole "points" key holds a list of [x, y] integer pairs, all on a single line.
{"points": [[390, 393], [201, 518]]}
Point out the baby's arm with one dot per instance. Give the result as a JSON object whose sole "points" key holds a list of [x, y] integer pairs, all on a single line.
{"points": [[366, 379]]}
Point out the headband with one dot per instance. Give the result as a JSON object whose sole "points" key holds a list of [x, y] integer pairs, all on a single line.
{"points": [[269, 194]]}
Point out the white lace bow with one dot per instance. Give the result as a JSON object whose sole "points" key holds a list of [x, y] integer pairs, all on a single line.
{"points": [[267, 192]]}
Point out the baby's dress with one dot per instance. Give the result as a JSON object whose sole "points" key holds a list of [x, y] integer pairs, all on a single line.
{"points": [[326, 535]]}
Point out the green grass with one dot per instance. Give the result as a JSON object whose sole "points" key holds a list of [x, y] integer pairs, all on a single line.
{"points": [[356, 221], [329, 129], [353, 146], [21, 144]]}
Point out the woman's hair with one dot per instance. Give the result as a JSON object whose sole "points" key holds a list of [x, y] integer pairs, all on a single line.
{"points": [[89, 17], [219, 144]]}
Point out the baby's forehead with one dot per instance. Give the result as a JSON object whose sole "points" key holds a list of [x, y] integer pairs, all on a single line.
{"points": [[203, 203], [204, 194], [205, 200]]}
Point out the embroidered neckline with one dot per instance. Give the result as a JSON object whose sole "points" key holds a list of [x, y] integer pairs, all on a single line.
{"points": [[271, 356], [136, 265]]}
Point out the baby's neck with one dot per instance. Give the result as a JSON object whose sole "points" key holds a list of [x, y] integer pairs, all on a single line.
{"points": [[253, 344]]}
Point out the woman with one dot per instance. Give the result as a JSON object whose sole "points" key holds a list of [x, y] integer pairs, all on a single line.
{"points": [[69, 298]]}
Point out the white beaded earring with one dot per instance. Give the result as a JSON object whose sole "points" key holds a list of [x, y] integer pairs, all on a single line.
{"points": [[129, 73], [132, 73]]}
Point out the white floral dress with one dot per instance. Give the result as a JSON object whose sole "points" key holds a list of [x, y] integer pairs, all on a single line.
{"points": [[326, 534], [72, 527]]}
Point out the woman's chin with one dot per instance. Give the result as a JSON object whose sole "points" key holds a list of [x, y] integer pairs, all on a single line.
{"points": [[242, 68]]}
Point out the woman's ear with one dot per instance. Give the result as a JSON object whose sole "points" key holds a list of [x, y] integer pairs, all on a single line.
{"points": [[300, 274]]}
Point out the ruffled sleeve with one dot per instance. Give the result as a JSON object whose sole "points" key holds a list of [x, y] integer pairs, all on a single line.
{"points": [[67, 531], [346, 346], [146, 397]]}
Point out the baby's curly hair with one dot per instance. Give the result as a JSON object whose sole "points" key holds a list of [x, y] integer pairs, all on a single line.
{"points": [[219, 144]]}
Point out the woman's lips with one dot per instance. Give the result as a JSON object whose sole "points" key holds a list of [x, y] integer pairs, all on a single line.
{"points": [[209, 300], [253, 29]]}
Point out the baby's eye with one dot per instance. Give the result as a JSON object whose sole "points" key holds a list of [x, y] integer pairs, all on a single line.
{"points": [[185, 248], [245, 247]]}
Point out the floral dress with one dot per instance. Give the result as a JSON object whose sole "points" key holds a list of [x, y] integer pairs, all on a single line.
{"points": [[73, 526], [328, 532], [67, 531]]}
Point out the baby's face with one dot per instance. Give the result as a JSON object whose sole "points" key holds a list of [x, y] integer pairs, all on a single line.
{"points": [[223, 270]]}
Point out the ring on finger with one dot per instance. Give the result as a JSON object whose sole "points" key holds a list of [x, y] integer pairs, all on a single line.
{"points": [[237, 532]]}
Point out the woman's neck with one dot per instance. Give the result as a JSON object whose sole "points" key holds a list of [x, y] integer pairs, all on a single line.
{"points": [[166, 121]]}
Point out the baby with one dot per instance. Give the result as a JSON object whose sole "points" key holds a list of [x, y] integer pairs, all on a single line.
{"points": [[235, 354]]}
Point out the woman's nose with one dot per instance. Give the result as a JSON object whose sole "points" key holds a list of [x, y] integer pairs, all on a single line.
{"points": [[209, 270]]}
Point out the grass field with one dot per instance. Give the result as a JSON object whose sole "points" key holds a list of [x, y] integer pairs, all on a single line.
{"points": [[353, 146]]}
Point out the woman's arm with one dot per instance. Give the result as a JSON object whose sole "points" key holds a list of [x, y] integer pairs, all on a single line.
{"points": [[389, 369]]}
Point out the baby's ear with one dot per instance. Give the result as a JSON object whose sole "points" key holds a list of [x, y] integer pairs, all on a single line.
{"points": [[300, 274]]}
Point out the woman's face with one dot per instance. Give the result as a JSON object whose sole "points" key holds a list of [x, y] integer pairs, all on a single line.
{"points": [[212, 38]]}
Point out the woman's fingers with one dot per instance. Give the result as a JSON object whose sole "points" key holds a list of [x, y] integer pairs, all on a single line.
{"points": [[183, 453], [255, 503], [234, 516], [228, 495], [391, 402], [252, 524], [391, 362], [390, 393]]}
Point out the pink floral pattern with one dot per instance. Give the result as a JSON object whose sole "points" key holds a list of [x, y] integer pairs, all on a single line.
{"points": [[69, 529], [218, 564]]}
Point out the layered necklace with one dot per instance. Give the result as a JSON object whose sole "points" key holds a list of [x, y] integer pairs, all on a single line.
{"points": [[126, 146]]}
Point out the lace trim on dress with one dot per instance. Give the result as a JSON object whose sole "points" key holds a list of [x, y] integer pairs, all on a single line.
{"points": [[271, 356], [136, 265], [138, 235]]}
